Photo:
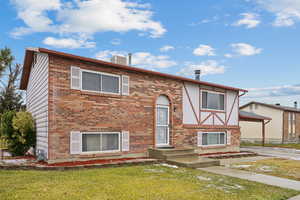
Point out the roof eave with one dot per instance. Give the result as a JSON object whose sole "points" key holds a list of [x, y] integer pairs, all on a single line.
{"points": [[29, 57], [27, 67]]}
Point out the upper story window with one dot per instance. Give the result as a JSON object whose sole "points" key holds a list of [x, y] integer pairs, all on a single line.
{"points": [[213, 100], [100, 82]]}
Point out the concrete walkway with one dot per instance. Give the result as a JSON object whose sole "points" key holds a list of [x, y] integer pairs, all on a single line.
{"points": [[286, 153], [269, 180], [295, 198]]}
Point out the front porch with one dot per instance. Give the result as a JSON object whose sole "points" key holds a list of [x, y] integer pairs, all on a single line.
{"points": [[183, 156]]}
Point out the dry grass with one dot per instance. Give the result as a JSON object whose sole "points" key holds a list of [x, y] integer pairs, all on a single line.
{"points": [[274, 166], [151, 182]]}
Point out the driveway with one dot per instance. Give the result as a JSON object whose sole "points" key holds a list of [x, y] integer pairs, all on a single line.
{"points": [[292, 154]]}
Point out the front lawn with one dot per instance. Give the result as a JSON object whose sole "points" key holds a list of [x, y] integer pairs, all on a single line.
{"points": [[274, 166], [150, 182], [290, 146]]}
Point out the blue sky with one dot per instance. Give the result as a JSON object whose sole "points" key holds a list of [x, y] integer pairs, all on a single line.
{"points": [[248, 44]]}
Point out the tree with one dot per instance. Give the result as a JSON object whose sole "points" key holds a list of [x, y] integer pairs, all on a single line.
{"points": [[17, 128], [10, 97], [6, 60]]}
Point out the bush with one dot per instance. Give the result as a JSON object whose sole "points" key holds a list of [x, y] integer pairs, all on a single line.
{"points": [[19, 132]]}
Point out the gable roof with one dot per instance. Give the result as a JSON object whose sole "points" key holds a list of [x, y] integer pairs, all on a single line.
{"points": [[284, 108], [29, 53], [252, 116]]}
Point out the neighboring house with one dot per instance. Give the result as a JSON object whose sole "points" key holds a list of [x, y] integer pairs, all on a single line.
{"points": [[283, 128], [87, 108]]}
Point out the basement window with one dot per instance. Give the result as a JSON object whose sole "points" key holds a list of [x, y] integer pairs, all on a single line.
{"points": [[213, 139], [100, 142]]}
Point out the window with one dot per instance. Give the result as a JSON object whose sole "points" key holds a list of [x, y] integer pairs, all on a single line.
{"points": [[212, 100], [100, 82], [292, 124], [213, 139], [100, 142]]}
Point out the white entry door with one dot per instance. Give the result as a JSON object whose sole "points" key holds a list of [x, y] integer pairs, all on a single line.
{"points": [[162, 125]]}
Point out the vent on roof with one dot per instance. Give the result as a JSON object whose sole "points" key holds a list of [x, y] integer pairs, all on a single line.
{"points": [[121, 60], [197, 74], [277, 104], [296, 104]]}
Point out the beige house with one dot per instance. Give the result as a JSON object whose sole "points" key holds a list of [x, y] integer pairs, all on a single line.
{"points": [[283, 128]]}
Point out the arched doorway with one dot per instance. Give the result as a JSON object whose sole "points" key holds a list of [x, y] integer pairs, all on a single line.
{"points": [[162, 130]]}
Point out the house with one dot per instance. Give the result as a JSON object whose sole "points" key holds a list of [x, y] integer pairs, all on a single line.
{"points": [[86, 108], [283, 128], [256, 121]]}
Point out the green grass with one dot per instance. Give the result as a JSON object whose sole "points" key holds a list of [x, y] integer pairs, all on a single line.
{"points": [[275, 166], [293, 146], [149, 182]]}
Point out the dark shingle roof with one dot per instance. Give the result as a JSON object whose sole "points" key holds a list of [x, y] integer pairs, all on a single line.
{"points": [[249, 115], [279, 107]]}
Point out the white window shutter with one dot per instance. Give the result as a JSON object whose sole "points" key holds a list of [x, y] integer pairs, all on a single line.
{"points": [[75, 78], [125, 85], [199, 139], [228, 137], [125, 141], [75, 142]]}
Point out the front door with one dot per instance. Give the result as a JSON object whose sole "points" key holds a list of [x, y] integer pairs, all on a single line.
{"points": [[162, 125]]}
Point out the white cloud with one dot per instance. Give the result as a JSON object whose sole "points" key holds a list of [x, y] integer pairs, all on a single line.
{"points": [[244, 49], [147, 60], [250, 20], [207, 67], [204, 50], [116, 41], [206, 21], [285, 94], [228, 55], [140, 59], [34, 15], [85, 17], [166, 48], [287, 12], [68, 43]]}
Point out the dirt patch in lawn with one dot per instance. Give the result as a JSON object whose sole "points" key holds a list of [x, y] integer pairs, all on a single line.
{"points": [[273, 166]]}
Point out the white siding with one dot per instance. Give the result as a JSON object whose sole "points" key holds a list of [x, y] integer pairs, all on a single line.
{"points": [[188, 113], [37, 99], [232, 108], [206, 117]]}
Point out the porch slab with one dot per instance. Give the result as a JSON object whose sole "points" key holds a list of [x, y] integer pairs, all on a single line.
{"points": [[184, 157], [194, 162]]}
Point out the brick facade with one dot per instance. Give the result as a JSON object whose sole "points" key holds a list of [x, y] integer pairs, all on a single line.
{"points": [[74, 110], [288, 138]]}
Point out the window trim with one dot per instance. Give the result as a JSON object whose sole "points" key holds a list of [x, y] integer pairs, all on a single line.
{"points": [[209, 109], [101, 73], [98, 152], [211, 145]]}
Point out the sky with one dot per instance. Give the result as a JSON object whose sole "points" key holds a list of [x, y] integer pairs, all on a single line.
{"points": [[250, 44]]}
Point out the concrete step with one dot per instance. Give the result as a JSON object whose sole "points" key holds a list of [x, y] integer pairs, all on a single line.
{"points": [[167, 153], [194, 162], [179, 155]]}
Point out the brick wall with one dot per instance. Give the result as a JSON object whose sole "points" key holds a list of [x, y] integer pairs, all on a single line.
{"points": [[286, 137], [86, 111]]}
